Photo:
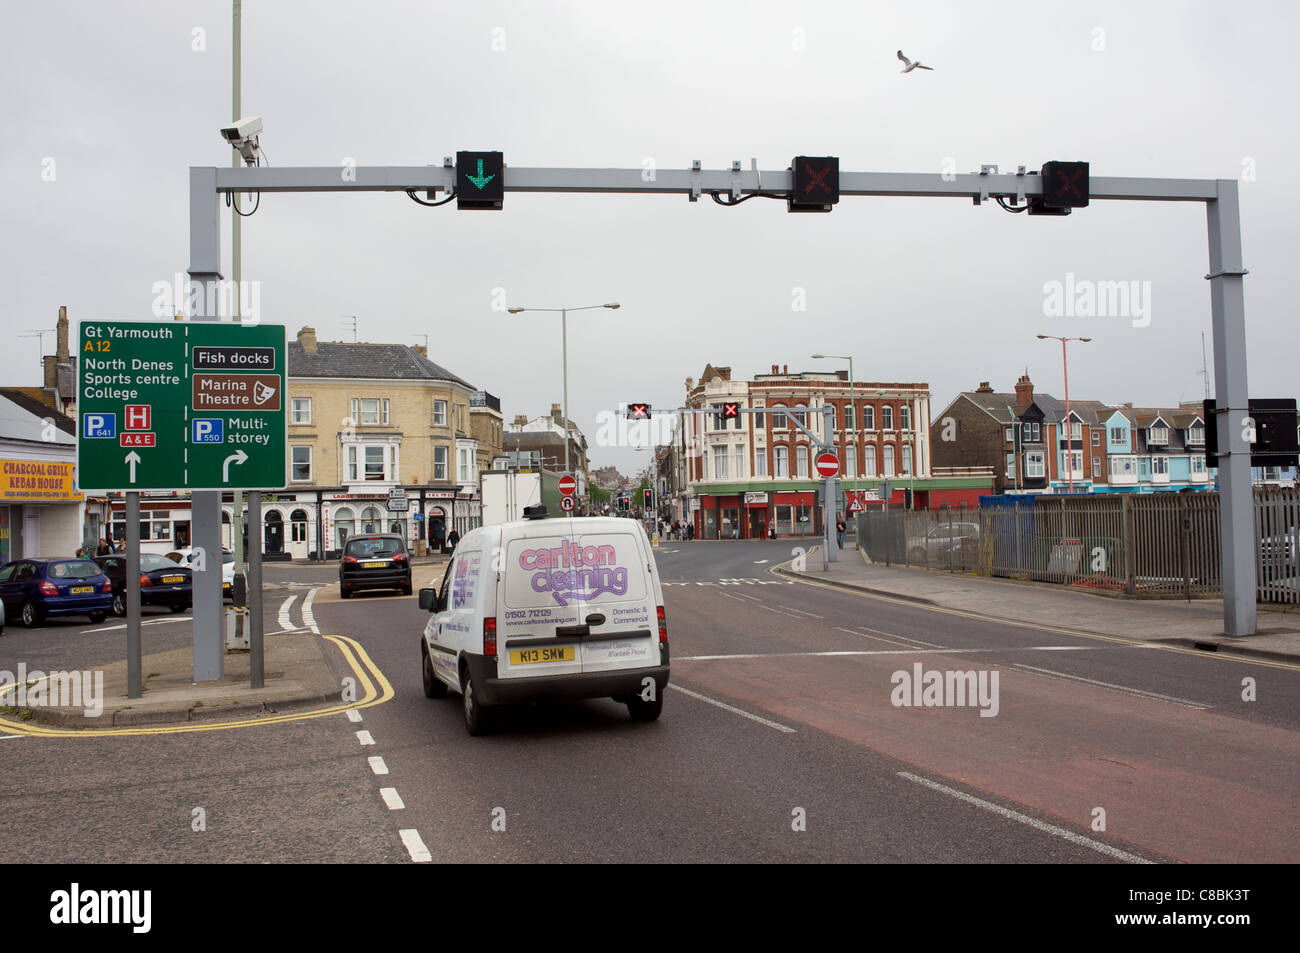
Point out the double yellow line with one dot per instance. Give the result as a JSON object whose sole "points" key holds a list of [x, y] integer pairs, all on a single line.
{"points": [[375, 690]]}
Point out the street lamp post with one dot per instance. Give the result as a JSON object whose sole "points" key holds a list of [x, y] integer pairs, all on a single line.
{"points": [[853, 484], [1069, 424], [564, 357]]}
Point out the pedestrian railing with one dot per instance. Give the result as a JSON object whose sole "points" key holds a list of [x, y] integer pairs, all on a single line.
{"points": [[1164, 544]]}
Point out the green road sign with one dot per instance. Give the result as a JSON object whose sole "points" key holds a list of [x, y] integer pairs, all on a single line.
{"points": [[179, 405]]}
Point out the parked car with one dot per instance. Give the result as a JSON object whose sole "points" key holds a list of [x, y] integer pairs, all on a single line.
{"points": [[942, 541], [375, 561], [36, 589], [162, 582], [227, 567]]}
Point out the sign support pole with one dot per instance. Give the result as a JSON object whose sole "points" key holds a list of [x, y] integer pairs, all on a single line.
{"points": [[256, 660], [133, 687]]}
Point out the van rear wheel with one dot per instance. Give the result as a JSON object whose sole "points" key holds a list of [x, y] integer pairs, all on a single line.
{"points": [[641, 710], [477, 720]]}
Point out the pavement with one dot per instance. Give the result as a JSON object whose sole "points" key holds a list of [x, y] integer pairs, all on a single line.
{"points": [[300, 671], [1196, 624]]}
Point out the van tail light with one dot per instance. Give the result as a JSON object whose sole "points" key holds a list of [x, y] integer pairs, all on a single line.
{"points": [[350, 559], [49, 589], [400, 557], [145, 580], [490, 636], [663, 625]]}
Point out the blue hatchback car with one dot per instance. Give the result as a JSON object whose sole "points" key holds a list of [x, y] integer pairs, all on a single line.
{"points": [[35, 589]]}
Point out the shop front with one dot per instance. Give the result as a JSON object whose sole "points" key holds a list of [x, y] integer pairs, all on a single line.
{"points": [[41, 511]]}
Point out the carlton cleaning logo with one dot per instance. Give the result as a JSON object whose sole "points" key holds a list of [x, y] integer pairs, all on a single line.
{"points": [[77, 906]]}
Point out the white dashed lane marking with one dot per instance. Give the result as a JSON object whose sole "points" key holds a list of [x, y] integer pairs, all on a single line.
{"points": [[415, 847], [365, 738], [392, 799], [377, 765], [735, 711], [354, 715]]}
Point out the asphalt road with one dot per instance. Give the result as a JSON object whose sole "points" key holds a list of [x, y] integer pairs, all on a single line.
{"points": [[778, 741]]}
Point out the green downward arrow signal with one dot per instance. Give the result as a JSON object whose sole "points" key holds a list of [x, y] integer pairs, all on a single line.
{"points": [[480, 180]]}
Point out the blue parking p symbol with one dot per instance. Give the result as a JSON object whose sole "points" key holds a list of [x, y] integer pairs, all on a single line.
{"points": [[207, 430]]}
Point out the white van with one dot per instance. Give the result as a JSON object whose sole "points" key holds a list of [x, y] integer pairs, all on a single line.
{"points": [[548, 608]]}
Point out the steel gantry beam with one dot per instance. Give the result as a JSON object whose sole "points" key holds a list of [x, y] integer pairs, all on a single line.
{"points": [[208, 184]]}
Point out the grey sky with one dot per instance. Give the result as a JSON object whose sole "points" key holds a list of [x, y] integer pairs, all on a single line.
{"points": [[915, 289]]}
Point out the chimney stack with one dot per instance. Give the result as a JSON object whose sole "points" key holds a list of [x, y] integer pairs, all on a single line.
{"points": [[785, 368], [1024, 391], [420, 349], [62, 334], [307, 339], [984, 388], [520, 420], [556, 415], [776, 369]]}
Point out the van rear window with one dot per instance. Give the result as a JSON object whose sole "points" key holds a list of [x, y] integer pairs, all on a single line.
{"points": [[561, 571]]}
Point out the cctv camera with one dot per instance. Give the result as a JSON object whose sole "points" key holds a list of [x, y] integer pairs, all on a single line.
{"points": [[242, 130]]}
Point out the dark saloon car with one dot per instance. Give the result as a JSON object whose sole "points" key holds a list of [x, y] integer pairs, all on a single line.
{"points": [[162, 582], [374, 562], [34, 589]]}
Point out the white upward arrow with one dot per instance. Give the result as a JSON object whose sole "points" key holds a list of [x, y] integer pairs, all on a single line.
{"points": [[238, 457], [132, 459]]}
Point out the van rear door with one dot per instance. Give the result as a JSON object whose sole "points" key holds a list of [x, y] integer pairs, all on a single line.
{"points": [[618, 600], [538, 623]]}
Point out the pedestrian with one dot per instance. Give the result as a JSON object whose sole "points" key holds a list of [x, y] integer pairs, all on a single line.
{"points": [[771, 531], [839, 529], [690, 530], [103, 549], [452, 539]]}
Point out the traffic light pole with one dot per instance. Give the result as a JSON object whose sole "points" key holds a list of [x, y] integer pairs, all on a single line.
{"points": [[1227, 300]]}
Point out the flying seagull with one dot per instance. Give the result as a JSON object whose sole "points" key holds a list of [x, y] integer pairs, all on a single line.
{"points": [[908, 65]]}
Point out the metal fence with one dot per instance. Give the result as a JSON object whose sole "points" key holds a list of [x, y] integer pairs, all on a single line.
{"points": [[1157, 544]]}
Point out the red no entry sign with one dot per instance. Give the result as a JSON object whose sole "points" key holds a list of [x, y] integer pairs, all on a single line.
{"points": [[828, 465], [568, 485]]}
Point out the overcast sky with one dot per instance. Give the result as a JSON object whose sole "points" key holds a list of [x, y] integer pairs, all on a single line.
{"points": [[107, 105]]}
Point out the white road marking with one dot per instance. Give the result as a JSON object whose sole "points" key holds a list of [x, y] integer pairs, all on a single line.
{"points": [[392, 799], [365, 738], [760, 562], [377, 765], [354, 715], [285, 621], [901, 638], [801, 612], [727, 595], [737, 711], [741, 595], [308, 619], [878, 638], [898, 651], [114, 628], [6, 737], [1200, 706], [414, 846], [1052, 829]]}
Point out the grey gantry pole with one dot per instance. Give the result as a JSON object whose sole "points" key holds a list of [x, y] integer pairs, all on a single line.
{"points": [[1226, 272], [1228, 314], [205, 532]]}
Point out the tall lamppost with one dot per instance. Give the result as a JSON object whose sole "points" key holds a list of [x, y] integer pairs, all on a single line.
{"points": [[852, 406], [1069, 424], [564, 345]]}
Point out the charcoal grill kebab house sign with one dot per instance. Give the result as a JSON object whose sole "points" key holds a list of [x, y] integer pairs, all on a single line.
{"points": [[176, 405]]}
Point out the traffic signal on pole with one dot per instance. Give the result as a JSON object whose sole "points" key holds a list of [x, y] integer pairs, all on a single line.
{"points": [[730, 411], [1065, 185], [647, 497], [638, 411], [815, 183], [479, 180]]}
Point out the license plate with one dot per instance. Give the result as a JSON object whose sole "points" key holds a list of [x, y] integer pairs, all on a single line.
{"points": [[78, 590], [560, 653], [173, 578]]}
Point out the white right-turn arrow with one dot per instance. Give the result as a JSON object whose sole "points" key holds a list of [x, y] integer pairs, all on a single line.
{"points": [[237, 457]]}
